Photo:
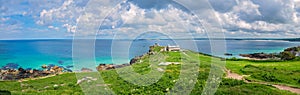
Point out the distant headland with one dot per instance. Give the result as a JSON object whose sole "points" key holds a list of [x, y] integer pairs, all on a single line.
{"points": [[288, 54]]}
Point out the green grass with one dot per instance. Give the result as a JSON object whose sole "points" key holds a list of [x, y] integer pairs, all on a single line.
{"points": [[234, 87], [285, 72], [10, 86], [67, 82], [157, 48], [173, 56]]}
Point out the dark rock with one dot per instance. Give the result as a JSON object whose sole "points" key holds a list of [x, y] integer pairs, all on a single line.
{"points": [[44, 66], [102, 64], [228, 54], [21, 70], [134, 60]]}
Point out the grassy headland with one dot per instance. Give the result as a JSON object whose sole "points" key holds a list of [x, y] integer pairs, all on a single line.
{"points": [[275, 72]]}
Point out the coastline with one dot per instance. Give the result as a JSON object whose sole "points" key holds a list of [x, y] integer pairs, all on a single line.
{"points": [[19, 73], [52, 54], [12, 72], [108, 73]]}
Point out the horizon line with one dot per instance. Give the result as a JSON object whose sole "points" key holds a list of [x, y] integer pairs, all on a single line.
{"points": [[148, 38]]}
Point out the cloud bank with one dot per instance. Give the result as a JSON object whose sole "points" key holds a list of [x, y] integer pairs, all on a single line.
{"points": [[59, 18]]}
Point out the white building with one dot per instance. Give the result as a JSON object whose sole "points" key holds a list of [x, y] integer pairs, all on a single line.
{"points": [[172, 48]]}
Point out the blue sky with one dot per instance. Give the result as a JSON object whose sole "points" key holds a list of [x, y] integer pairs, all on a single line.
{"points": [[29, 19]]}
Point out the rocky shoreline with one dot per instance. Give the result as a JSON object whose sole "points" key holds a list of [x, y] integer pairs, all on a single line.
{"points": [[260, 56], [15, 73], [12, 71], [288, 54], [9, 73], [134, 60]]}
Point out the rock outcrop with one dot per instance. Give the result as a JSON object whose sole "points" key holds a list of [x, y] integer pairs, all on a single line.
{"points": [[132, 61], [21, 73], [259, 55]]}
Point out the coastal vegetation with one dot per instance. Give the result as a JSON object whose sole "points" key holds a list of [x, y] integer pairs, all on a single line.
{"points": [[286, 73]]}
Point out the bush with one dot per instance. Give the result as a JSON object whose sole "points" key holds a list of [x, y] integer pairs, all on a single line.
{"points": [[249, 69], [72, 85], [270, 77], [231, 82], [5, 92], [286, 55], [297, 59]]}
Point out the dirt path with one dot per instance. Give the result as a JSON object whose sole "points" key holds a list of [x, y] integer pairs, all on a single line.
{"points": [[282, 87], [232, 75]]}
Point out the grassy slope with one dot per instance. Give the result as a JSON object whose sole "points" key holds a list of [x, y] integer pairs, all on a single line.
{"points": [[67, 82], [287, 73]]}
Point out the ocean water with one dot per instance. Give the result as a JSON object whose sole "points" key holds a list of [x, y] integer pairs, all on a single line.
{"points": [[35, 53]]}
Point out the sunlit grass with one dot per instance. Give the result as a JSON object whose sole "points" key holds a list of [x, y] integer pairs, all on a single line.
{"points": [[67, 82]]}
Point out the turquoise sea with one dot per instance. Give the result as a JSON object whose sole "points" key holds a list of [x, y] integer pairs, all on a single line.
{"points": [[35, 53]]}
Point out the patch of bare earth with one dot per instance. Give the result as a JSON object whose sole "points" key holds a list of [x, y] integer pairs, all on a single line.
{"points": [[231, 75]]}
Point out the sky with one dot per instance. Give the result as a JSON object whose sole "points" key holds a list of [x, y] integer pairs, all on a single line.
{"points": [[30, 19]]}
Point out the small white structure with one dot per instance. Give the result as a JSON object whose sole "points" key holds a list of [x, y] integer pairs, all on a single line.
{"points": [[172, 48]]}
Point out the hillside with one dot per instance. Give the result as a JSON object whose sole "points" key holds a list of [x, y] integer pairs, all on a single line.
{"points": [[66, 84]]}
